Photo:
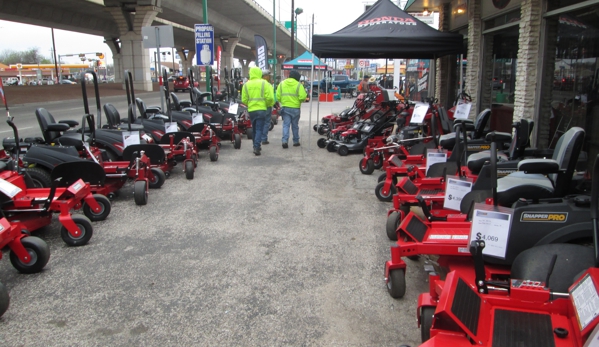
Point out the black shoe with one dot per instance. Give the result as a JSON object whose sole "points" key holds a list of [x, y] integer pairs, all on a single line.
{"points": [[285, 145], [265, 142], [257, 151], [296, 144]]}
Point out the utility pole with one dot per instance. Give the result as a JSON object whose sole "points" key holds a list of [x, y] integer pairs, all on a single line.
{"points": [[55, 61], [292, 29], [274, 42], [208, 67]]}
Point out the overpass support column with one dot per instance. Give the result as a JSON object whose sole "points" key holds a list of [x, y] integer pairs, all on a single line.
{"points": [[227, 54], [133, 56], [245, 70], [186, 59], [117, 59]]}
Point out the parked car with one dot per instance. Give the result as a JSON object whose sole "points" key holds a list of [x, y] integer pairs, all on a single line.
{"points": [[343, 82], [497, 83], [182, 83], [67, 82]]}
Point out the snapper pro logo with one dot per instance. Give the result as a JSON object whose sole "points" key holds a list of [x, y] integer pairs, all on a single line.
{"points": [[556, 217], [386, 20]]}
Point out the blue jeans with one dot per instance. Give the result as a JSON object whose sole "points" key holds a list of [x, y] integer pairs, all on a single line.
{"points": [[266, 124], [291, 117], [257, 118]]}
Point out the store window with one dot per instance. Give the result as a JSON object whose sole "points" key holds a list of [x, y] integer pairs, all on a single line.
{"points": [[571, 77]]}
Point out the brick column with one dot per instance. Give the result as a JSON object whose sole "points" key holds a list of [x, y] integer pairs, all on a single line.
{"points": [[529, 51], [443, 75], [474, 55]]}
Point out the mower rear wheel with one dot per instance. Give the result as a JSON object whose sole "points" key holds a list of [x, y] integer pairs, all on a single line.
{"points": [[4, 299], [189, 169], [396, 286], [86, 228], [105, 208], [41, 178], [427, 314], [39, 254], [213, 154], [250, 133], [321, 143], [378, 191], [378, 161], [237, 141], [367, 169], [159, 178], [331, 147], [392, 224], [140, 193]]}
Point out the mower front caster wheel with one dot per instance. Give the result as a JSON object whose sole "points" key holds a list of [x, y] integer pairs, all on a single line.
{"points": [[378, 191], [321, 143], [378, 161], [4, 299], [213, 154], [343, 150], [105, 208], [159, 178], [368, 168], [39, 254], [140, 192], [426, 322], [86, 230], [237, 141], [392, 223], [382, 177], [189, 169], [321, 130], [396, 286], [250, 133]]}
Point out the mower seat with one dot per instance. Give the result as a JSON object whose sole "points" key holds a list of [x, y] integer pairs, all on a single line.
{"points": [[541, 181], [54, 132], [447, 141], [476, 160], [114, 119]]}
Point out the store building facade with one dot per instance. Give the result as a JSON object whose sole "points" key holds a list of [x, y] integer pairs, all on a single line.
{"points": [[534, 59]]}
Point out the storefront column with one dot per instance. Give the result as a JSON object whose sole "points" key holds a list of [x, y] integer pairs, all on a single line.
{"points": [[443, 75], [529, 51], [474, 55]]}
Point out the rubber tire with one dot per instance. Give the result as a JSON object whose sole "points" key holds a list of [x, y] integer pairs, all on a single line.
{"points": [[331, 147], [369, 169], [272, 126], [140, 194], [237, 141], [104, 203], [213, 154], [382, 177], [250, 133], [87, 231], [42, 254], [4, 299], [321, 130], [189, 170], [426, 322], [379, 164], [159, 178], [396, 286], [321, 143], [343, 150], [392, 223], [41, 177], [315, 127], [380, 196]]}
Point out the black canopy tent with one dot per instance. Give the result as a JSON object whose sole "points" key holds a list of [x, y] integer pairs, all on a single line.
{"points": [[385, 31]]}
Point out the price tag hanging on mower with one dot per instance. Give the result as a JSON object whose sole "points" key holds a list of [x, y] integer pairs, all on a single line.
{"points": [[418, 114], [435, 156], [9, 189], [233, 108], [462, 110], [130, 138], [197, 118], [492, 225], [455, 190], [171, 127]]}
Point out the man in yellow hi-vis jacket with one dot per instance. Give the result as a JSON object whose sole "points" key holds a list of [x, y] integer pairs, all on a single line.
{"points": [[258, 95], [291, 94]]}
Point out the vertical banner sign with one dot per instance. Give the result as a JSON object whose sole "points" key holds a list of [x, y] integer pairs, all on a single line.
{"points": [[218, 54], [261, 52], [204, 34], [2, 92]]}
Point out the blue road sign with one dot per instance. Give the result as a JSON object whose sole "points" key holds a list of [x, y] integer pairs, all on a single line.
{"points": [[204, 44]]}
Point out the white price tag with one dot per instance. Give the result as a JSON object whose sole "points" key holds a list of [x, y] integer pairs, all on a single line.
{"points": [[455, 189], [493, 227], [233, 108], [419, 113], [197, 118], [462, 111], [435, 156], [586, 301], [130, 138], [170, 127], [9, 189]]}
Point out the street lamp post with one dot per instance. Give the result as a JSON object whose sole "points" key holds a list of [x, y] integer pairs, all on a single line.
{"points": [[297, 11]]}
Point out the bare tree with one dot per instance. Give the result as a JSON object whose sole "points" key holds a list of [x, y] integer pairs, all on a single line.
{"points": [[30, 56]]}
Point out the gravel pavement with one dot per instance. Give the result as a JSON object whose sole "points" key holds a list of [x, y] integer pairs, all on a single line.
{"points": [[284, 249]]}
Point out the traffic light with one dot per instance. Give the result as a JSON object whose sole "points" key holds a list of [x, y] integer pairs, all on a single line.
{"points": [[100, 55]]}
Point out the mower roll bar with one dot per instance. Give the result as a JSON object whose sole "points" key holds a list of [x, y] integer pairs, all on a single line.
{"points": [[97, 94]]}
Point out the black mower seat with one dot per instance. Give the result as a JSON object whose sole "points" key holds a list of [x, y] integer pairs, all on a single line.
{"points": [[546, 178], [51, 130], [114, 119], [476, 160], [447, 141]]}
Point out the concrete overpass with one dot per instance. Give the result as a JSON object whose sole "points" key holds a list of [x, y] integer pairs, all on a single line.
{"points": [[120, 21]]}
